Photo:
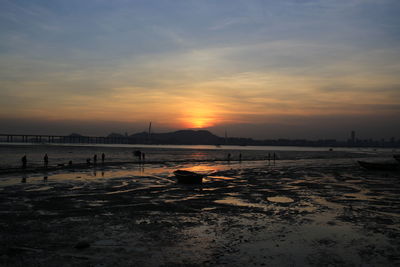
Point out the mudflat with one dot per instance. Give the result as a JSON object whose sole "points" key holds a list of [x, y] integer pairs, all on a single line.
{"points": [[292, 213]]}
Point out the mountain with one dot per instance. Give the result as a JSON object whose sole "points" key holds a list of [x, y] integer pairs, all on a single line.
{"points": [[115, 135]]}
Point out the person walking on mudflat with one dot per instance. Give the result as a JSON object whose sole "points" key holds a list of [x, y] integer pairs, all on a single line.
{"points": [[46, 160], [24, 161], [103, 157], [94, 159]]}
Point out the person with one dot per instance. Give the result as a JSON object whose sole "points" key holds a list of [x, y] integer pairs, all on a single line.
{"points": [[240, 157], [274, 157], [138, 154], [24, 162], [229, 156], [46, 160], [103, 157], [143, 156], [95, 159]]}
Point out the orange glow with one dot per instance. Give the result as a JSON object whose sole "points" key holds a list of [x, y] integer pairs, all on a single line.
{"points": [[198, 118], [199, 122]]}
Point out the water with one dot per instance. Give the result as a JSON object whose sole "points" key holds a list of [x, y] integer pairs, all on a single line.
{"points": [[10, 154]]}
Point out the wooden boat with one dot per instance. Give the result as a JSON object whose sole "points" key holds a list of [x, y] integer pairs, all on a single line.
{"points": [[188, 177], [380, 166]]}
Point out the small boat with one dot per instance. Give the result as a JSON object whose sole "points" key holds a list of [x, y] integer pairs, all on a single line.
{"points": [[397, 157], [379, 166], [188, 177]]}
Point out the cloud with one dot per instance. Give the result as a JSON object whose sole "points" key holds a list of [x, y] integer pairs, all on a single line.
{"points": [[232, 61]]}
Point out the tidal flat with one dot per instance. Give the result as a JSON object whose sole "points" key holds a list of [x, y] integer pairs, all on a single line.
{"points": [[316, 212]]}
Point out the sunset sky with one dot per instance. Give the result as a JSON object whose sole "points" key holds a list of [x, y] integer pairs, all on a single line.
{"points": [[262, 69]]}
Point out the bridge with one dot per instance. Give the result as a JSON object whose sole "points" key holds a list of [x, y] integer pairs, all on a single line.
{"points": [[65, 139]]}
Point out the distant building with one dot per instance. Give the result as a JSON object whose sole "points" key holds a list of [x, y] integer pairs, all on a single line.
{"points": [[353, 136]]}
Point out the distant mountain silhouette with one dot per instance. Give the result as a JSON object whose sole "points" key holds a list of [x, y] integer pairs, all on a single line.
{"points": [[115, 135]]}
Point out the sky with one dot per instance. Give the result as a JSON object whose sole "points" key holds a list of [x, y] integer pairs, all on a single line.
{"points": [[255, 68]]}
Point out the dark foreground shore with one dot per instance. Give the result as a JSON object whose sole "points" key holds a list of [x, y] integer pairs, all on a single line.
{"points": [[296, 213]]}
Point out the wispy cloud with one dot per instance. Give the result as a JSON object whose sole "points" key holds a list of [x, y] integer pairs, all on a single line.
{"points": [[232, 61]]}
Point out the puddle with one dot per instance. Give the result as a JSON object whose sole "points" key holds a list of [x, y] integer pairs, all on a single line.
{"points": [[97, 203], [123, 184], [232, 194], [239, 202], [210, 189], [280, 199], [208, 208], [77, 187], [46, 212], [44, 188], [219, 178]]}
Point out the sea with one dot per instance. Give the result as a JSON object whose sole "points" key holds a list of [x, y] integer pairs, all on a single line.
{"points": [[11, 153]]}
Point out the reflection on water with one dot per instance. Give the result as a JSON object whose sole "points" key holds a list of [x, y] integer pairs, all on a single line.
{"points": [[239, 202], [23, 179], [43, 188], [220, 177], [280, 199], [203, 169]]}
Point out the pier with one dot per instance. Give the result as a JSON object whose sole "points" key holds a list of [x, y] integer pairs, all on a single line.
{"points": [[64, 139]]}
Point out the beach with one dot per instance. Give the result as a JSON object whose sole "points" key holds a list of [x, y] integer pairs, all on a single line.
{"points": [[308, 208]]}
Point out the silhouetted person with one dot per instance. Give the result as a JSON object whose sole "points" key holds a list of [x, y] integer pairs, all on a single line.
{"points": [[46, 160], [138, 154], [240, 157], [229, 157], [275, 157], [24, 162], [103, 157], [269, 157], [143, 157], [95, 159]]}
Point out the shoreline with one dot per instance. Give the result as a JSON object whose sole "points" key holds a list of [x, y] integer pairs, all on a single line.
{"points": [[213, 147], [83, 166]]}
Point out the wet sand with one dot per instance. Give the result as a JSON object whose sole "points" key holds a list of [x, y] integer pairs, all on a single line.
{"points": [[293, 213]]}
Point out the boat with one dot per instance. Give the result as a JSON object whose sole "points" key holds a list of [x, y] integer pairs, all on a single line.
{"points": [[188, 177], [379, 166], [397, 157]]}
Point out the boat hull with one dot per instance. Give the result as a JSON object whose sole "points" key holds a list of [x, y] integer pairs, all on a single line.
{"points": [[187, 177]]}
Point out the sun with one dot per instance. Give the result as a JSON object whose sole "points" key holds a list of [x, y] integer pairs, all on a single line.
{"points": [[200, 122], [198, 118]]}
